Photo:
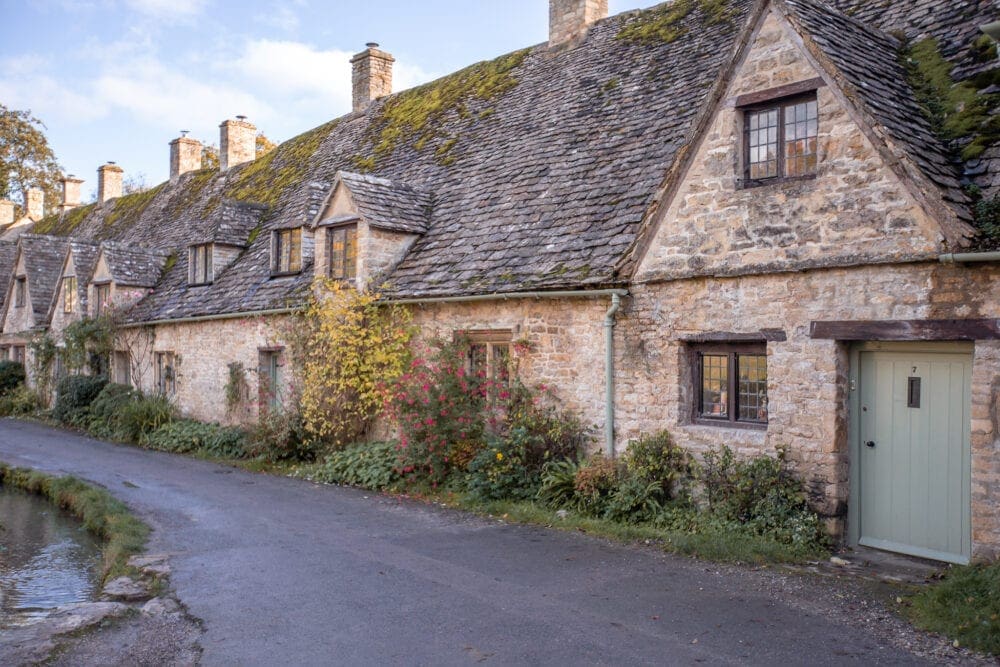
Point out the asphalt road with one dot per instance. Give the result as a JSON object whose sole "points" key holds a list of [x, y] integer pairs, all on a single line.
{"points": [[284, 572]]}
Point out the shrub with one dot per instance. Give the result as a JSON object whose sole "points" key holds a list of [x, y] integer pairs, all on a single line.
{"points": [[281, 436], [74, 394], [142, 417], [11, 376], [19, 401], [558, 483], [595, 482], [656, 459], [368, 465], [187, 435], [505, 469], [104, 419], [553, 433], [634, 501]]}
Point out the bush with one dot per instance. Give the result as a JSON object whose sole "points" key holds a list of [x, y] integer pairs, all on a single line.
{"points": [[656, 459], [11, 376], [558, 484], [187, 435], [142, 417], [368, 465], [74, 394], [19, 401], [106, 412], [281, 436], [505, 469]]}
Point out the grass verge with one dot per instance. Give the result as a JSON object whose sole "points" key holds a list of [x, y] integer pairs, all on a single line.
{"points": [[101, 513], [964, 606]]}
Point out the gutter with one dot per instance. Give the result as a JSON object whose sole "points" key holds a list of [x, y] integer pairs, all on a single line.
{"points": [[210, 318], [559, 294], [969, 257]]}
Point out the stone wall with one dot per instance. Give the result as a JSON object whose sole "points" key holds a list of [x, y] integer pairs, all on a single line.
{"points": [[371, 76], [568, 19], [855, 211], [204, 351], [807, 378]]}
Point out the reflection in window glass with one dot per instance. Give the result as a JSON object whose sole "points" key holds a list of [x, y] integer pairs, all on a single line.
{"points": [[714, 385], [752, 387]]}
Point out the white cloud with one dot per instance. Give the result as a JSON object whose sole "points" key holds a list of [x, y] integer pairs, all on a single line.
{"points": [[27, 83], [168, 9], [281, 17]]}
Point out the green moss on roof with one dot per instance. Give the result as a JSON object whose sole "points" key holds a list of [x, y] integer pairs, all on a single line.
{"points": [[65, 224], [416, 116], [959, 111], [266, 179], [127, 209], [192, 187], [666, 22]]}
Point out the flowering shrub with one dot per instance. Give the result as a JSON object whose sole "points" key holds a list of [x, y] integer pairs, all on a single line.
{"points": [[348, 349], [504, 470]]}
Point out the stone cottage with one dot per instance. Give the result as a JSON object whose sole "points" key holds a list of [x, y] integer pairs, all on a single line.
{"points": [[733, 219]]}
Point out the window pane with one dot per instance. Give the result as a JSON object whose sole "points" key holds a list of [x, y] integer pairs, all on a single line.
{"points": [[501, 363], [478, 359], [715, 385], [336, 253], [350, 252], [752, 387], [762, 143], [295, 250], [800, 138]]}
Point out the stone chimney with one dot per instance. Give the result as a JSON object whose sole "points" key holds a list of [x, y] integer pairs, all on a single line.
{"points": [[70, 193], [237, 142], [34, 204], [372, 75], [569, 19], [185, 156], [6, 212], [109, 182]]}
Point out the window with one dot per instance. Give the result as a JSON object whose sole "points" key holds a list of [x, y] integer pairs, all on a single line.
{"points": [[200, 264], [269, 372], [166, 373], [69, 294], [489, 355], [20, 291], [102, 298], [122, 368], [730, 384], [780, 140], [342, 250], [287, 257], [18, 353]]}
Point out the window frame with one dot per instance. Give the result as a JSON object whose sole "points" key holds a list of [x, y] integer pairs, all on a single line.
{"points": [[20, 291], [277, 247], [166, 386], [71, 296], [490, 338], [118, 358], [206, 266], [732, 351], [349, 269], [102, 303], [269, 393], [19, 354], [779, 103]]}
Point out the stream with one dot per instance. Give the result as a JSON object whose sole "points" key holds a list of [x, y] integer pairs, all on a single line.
{"points": [[47, 558]]}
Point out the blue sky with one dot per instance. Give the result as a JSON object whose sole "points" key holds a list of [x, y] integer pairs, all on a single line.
{"points": [[117, 79]]}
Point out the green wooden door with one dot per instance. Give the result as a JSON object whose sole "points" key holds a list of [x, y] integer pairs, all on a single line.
{"points": [[914, 454]]}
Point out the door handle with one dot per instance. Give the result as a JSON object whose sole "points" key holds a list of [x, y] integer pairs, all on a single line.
{"points": [[870, 444]]}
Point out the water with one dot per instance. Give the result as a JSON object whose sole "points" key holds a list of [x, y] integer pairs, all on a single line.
{"points": [[47, 558]]}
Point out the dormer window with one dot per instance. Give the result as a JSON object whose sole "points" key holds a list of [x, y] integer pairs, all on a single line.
{"points": [[780, 139], [69, 294], [20, 291], [342, 249], [102, 298], [286, 255], [200, 264]]}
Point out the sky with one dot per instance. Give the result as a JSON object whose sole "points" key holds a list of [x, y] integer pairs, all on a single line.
{"points": [[119, 79]]}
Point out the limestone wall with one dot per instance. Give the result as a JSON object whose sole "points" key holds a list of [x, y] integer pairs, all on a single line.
{"points": [[807, 378]]}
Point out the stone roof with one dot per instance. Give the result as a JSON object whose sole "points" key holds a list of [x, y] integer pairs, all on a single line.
{"points": [[8, 255], [84, 262], [540, 165], [43, 261], [134, 267], [388, 204], [867, 59], [231, 224]]}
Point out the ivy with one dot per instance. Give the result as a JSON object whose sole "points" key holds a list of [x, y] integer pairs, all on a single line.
{"points": [[347, 348], [237, 388], [88, 339]]}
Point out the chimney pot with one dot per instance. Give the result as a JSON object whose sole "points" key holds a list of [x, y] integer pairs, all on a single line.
{"points": [[185, 156], [371, 76], [109, 182], [70, 193], [237, 142], [570, 19], [34, 203], [6, 212]]}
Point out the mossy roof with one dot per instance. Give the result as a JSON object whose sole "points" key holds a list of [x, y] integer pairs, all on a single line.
{"points": [[540, 165], [8, 255], [43, 262]]}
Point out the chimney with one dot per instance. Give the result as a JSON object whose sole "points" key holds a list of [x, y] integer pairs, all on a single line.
{"points": [[109, 182], [185, 156], [372, 75], [569, 19], [34, 204], [237, 142], [70, 192], [6, 212]]}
